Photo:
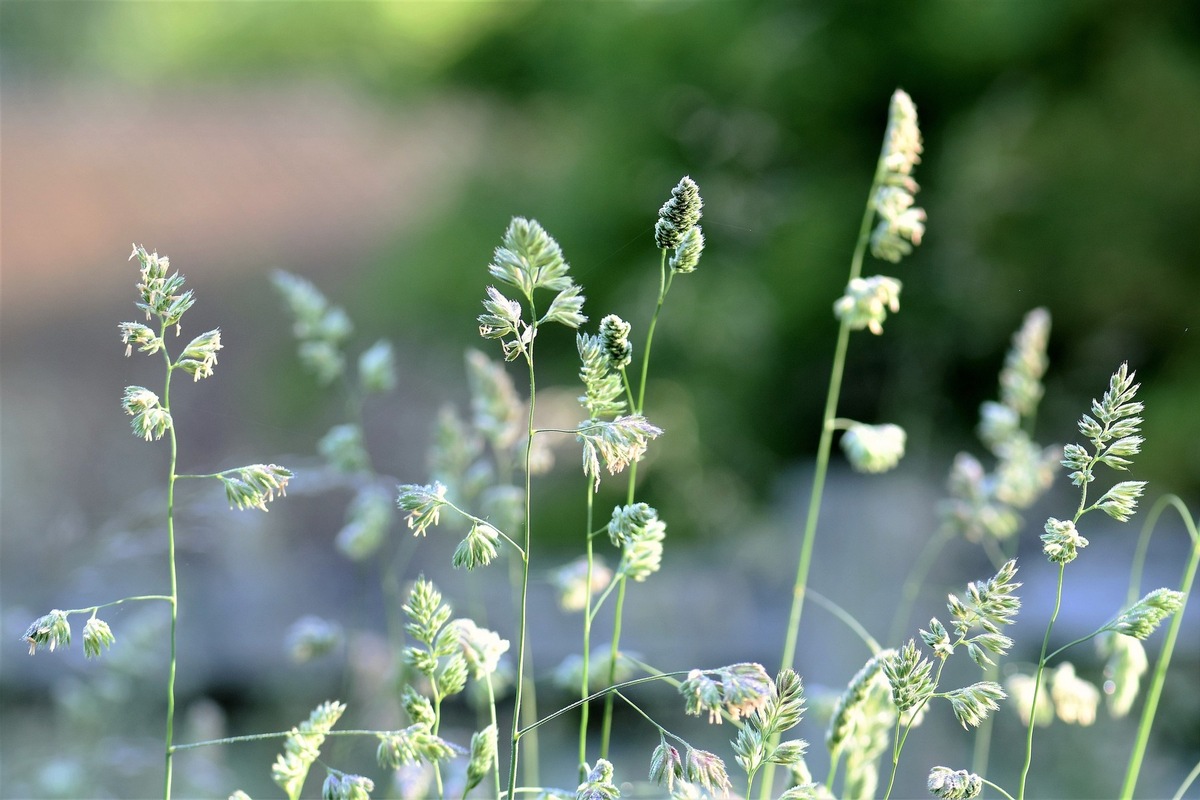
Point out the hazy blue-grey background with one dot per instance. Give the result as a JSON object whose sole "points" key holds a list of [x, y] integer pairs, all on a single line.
{"points": [[381, 148]]}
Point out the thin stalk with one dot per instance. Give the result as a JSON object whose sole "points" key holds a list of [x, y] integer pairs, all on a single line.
{"points": [[997, 788], [916, 579], [496, 755], [847, 619], [614, 653], [587, 633], [169, 749], [523, 616], [1041, 668], [262, 737], [1154, 693], [826, 442], [823, 449], [168, 739], [1187, 782], [94, 609], [1037, 683], [664, 286], [437, 722], [608, 690], [900, 738]]}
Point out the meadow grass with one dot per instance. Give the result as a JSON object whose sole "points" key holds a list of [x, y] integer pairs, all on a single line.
{"points": [[480, 489]]}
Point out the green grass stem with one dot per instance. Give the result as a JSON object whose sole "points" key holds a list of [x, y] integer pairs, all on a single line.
{"points": [[1154, 692]]}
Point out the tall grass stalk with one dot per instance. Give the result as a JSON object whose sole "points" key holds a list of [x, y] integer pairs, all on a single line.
{"points": [[900, 227], [169, 737], [523, 618], [664, 285], [1154, 692], [164, 301]]}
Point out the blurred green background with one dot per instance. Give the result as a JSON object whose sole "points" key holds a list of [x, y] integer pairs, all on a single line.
{"points": [[381, 148]]}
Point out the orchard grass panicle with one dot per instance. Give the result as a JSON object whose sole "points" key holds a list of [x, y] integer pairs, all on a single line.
{"points": [[164, 302]]}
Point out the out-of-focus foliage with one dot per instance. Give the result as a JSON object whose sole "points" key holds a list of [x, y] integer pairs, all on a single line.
{"points": [[1060, 143]]}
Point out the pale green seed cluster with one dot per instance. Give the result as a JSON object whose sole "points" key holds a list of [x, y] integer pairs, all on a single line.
{"points": [[321, 328], [303, 746], [954, 784], [867, 302], [901, 225], [986, 505]]}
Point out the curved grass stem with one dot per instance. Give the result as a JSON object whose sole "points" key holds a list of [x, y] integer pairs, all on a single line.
{"points": [[1154, 692]]}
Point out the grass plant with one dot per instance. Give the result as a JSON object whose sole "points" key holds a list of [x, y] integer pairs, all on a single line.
{"points": [[480, 493]]}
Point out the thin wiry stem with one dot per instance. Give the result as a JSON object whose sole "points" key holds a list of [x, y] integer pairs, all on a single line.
{"points": [[916, 579], [826, 442], [1037, 683], [824, 447], [1041, 667], [491, 690], [522, 633], [587, 633], [597, 695]]}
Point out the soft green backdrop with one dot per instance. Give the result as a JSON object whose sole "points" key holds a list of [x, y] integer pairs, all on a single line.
{"points": [[1062, 153]]}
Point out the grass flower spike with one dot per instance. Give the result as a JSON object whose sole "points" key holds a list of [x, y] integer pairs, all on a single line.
{"points": [[867, 302], [614, 335], [321, 329], [1062, 541], [951, 784], [737, 690], [973, 703], [678, 215], [303, 746], [707, 770], [909, 676], [599, 783], [618, 443], [200, 355], [49, 631], [873, 448], [340, 786], [423, 504], [254, 486], [901, 225], [1142, 618], [97, 637], [666, 765], [377, 368], [687, 253], [150, 419]]}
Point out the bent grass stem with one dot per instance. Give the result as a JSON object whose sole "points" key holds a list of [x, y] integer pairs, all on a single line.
{"points": [[1154, 693]]}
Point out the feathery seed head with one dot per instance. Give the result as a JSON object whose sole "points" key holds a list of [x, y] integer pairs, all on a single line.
{"points": [[680, 213], [873, 448], [50, 630], [1062, 541], [954, 784]]}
